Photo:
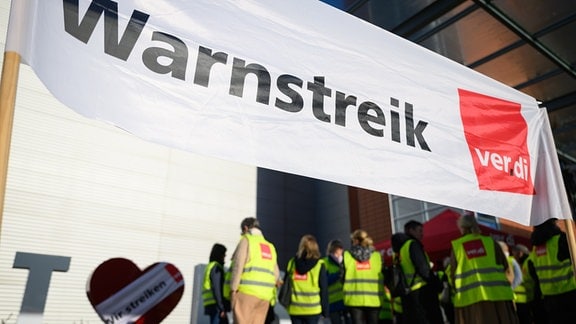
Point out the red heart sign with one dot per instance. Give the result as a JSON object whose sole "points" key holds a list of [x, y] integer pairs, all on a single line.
{"points": [[122, 293]]}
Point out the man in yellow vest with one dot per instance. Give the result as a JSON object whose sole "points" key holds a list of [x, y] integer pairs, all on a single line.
{"points": [[421, 305], [254, 274], [553, 271]]}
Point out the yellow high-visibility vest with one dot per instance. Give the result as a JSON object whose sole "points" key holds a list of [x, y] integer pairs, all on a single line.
{"points": [[408, 266], [207, 294], [363, 281], [258, 278], [305, 299], [477, 276], [335, 293], [555, 277]]}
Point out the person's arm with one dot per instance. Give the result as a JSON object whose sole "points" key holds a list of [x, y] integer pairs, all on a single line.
{"points": [[452, 268], [239, 259], [323, 283], [420, 261], [217, 279], [517, 274]]}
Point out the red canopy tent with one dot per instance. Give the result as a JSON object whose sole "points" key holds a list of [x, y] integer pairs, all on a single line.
{"points": [[440, 231]]}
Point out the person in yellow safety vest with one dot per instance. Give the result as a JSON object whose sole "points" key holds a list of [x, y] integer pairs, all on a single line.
{"points": [[482, 293], [307, 272], [421, 305], [386, 314], [553, 270], [363, 279], [215, 305], [335, 270], [255, 274], [524, 293]]}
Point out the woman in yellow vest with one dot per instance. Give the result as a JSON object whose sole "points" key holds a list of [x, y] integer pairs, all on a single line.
{"points": [[482, 293], [363, 279], [215, 304], [309, 300]]}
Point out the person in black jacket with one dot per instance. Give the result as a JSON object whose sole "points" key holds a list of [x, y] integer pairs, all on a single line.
{"points": [[421, 305], [559, 297], [215, 305]]}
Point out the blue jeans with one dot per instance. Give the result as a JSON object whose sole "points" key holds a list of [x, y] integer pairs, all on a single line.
{"points": [[216, 319]]}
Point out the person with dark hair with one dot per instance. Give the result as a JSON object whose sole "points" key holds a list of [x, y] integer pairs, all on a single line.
{"points": [[552, 271], [215, 305], [421, 305], [482, 292], [307, 272], [335, 270], [255, 274], [363, 279]]}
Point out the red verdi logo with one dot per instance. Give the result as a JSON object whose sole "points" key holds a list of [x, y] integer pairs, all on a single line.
{"points": [[265, 251], [474, 249], [298, 276], [496, 133], [541, 250], [365, 265]]}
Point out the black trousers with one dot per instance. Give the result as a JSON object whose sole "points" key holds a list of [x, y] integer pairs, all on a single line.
{"points": [[367, 315], [422, 307]]}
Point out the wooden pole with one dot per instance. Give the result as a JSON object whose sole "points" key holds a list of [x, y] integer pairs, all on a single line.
{"points": [[569, 224], [8, 86]]}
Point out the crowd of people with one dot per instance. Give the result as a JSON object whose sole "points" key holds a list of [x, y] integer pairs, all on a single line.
{"points": [[482, 281]]}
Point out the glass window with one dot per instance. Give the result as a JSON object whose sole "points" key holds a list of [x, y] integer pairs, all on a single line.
{"points": [[407, 209]]}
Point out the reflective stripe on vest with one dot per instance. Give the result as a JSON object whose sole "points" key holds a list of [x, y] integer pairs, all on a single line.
{"points": [[555, 277], [258, 277], [207, 294], [409, 268], [305, 299], [335, 293], [363, 282], [477, 277]]}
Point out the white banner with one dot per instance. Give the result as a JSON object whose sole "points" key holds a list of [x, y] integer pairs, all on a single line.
{"points": [[300, 87]]}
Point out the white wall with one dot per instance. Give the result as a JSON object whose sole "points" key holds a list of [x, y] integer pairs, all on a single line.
{"points": [[82, 189]]}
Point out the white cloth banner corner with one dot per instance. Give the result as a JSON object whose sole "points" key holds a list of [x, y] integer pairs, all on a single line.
{"points": [[290, 86]]}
